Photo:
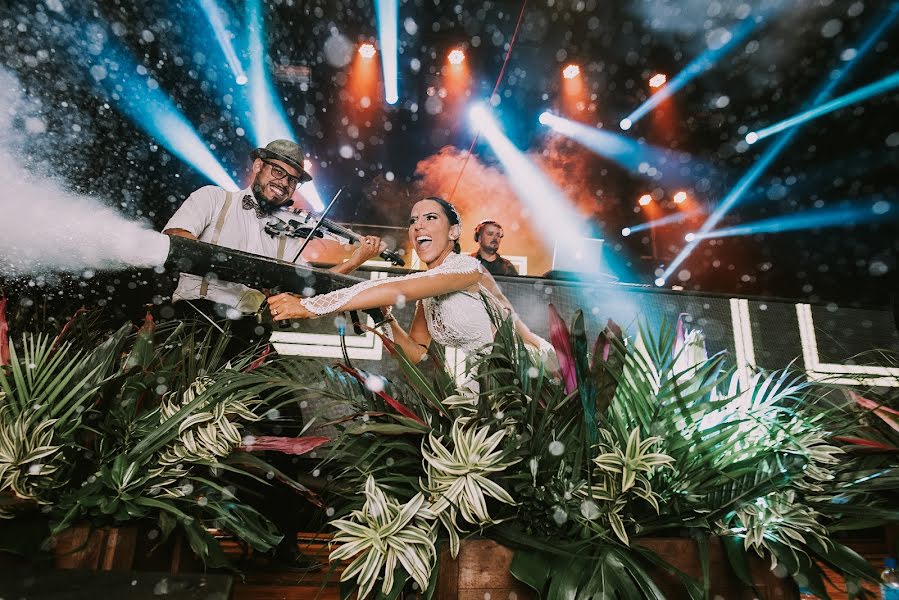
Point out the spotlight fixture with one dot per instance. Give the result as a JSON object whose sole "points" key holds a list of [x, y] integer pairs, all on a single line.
{"points": [[680, 197], [367, 50], [456, 57], [657, 80], [625, 232], [644, 200], [571, 71], [660, 282], [625, 124], [690, 237]]}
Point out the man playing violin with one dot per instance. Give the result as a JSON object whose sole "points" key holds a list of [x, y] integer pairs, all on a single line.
{"points": [[237, 220]]}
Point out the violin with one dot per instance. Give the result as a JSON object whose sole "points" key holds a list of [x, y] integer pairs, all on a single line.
{"points": [[299, 223]]}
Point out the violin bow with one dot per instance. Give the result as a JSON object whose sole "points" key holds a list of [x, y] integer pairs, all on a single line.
{"points": [[318, 223]]}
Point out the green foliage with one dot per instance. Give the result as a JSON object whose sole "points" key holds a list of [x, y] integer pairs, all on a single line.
{"points": [[653, 439], [132, 428]]}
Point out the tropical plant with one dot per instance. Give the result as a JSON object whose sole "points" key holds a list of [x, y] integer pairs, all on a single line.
{"points": [[643, 436], [133, 429]]}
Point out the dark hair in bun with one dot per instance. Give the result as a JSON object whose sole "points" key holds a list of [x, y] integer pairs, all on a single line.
{"points": [[451, 214]]}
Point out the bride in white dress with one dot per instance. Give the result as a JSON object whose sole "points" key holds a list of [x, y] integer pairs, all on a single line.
{"points": [[451, 293]]}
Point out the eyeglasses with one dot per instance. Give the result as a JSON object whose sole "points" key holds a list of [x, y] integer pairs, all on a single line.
{"points": [[279, 173]]}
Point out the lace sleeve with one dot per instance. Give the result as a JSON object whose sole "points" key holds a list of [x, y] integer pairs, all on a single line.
{"points": [[332, 301], [324, 304]]}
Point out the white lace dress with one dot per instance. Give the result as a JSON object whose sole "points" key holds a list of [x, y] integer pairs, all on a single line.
{"points": [[457, 319]]}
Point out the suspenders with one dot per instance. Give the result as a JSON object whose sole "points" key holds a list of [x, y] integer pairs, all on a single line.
{"points": [[217, 232]]}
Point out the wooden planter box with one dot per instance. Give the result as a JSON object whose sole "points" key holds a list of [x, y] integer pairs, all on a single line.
{"points": [[482, 568], [104, 549], [121, 549]]}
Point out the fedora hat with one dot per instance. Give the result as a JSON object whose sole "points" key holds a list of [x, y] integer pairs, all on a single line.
{"points": [[287, 152]]}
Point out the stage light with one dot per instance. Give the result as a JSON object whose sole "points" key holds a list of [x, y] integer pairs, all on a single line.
{"points": [[367, 50], [625, 124], [388, 32], [571, 71], [680, 197], [672, 168], [689, 237], [269, 122], [660, 282], [698, 66], [833, 79], [645, 200], [657, 80], [878, 87], [455, 57], [154, 112], [625, 231], [216, 18]]}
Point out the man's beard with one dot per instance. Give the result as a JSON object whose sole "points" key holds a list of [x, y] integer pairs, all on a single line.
{"points": [[265, 205]]}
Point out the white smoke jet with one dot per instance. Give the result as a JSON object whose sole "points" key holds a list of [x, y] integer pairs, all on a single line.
{"points": [[45, 227]]}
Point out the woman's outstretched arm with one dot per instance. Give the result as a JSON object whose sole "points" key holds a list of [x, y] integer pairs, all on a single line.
{"points": [[384, 293]]}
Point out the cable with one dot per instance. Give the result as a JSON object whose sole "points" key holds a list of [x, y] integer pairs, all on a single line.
{"points": [[492, 94]]}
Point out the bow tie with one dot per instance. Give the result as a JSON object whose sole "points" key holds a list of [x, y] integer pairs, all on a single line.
{"points": [[250, 203]]}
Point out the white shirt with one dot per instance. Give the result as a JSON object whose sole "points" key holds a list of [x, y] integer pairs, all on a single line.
{"points": [[242, 230]]}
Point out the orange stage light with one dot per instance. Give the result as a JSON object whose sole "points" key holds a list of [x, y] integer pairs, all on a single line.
{"points": [[657, 80], [362, 82], [645, 200], [367, 50], [455, 57], [574, 101], [680, 197]]}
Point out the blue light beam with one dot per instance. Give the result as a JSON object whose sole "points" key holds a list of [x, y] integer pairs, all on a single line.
{"points": [[637, 157], [388, 18], [217, 20], [667, 220], [269, 122], [697, 67], [141, 100], [880, 211], [873, 89], [559, 222], [834, 78]]}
